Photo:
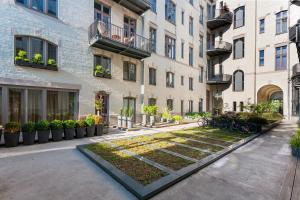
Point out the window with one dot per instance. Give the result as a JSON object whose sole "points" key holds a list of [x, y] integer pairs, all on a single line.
{"points": [[129, 26], [170, 11], [238, 48], [241, 106], [34, 105], [170, 79], [211, 11], [281, 58], [261, 57], [182, 17], [191, 104], [153, 39], [153, 5], [201, 15], [234, 106], [170, 47], [191, 25], [130, 103], [182, 50], [170, 104], [201, 75], [129, 71], [238, 81], [45, 6], [201, 46], [152, 76], [181, 107], [60, 105], [191, 84], [201, 105], [182, 80], [151, 101], [239, 17], [101, 12], [105, 64], [261, 25], [191, 2], [191, 56], [16, 107], [281, 22], [34, 46]]}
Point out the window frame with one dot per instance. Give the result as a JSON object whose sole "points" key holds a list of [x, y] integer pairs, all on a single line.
{"points": [[171, 19], [129, 78], [170, 83], [261, 57], [281, 56], [262, 26], [191, 83], [281, 17], [234, 17], [170, 45], [150, 79], [153, 33], [191, 56], [191, 26], [234, 79], [234, 48], [171, 106], [45, 7], [102, 57]]}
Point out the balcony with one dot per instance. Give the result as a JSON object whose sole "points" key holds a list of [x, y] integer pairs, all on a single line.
{"points": [[219, 48], [218, 79], [223, 19], [137, 6], [296, 75], [118, 40], [296, 2], [294, 35]]}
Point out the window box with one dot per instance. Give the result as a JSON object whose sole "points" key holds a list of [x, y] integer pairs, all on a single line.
{"points": [[36, 65], [23, 63], [103, 75]]}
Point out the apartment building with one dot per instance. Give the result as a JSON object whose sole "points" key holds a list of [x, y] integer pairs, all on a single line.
{"points": [[250, 57], [58, 57]]}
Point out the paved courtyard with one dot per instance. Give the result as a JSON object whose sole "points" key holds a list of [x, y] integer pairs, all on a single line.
{"points": [[58, 171]]}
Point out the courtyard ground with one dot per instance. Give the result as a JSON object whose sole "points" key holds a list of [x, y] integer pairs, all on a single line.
{"points": [[58, 171]]}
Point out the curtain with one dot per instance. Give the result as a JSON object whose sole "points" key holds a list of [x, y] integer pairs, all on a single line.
{"points": [[34, 105], [15, 111]]}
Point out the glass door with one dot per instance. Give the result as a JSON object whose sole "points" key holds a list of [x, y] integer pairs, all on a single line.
{"points": [[129, 102], [102, 105]]}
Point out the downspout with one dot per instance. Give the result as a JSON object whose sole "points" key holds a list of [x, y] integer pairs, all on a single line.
{"points": [[289, 67], [142, 95], [255, 56]]}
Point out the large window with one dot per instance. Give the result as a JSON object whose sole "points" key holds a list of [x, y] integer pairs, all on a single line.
{"points": [[101, 12], [170, 11], [152, 76], [191, 56], [191, 25], [238, 48], [151, 101], [191, 106], [153, 5], [130, 103], [170, 79], [170, 105], [45, 6], [281, 22], [129, 71], [239, 17], [102, 65], [201, 46], [201, 15], [153, 39], [170, 47], [281, 58], [261, 25], [60, 105], [34, 105], [191, 85], [238, 81], [261, 57]]}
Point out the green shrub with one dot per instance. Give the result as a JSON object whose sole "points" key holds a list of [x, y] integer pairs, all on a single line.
{"points": [[37, 58], [295, 141], [166, 115], [99, 70], [22, 56], [150, 110], [257, 120], [89, 120], [42, 125], [272, 116], [56, 124], [28, 127], [68, 124], [52, 62], [12, 127], [177, 118], [80, 123], [130, 112]]}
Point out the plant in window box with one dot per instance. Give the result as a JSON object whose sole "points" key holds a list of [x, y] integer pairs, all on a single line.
{"points": [[90, 125], [69, 126], [57, 130], [80, 128], [37, 59], [129, 118], [11, 134], [107, 73], [43, 130], [99, 71], [99, 124], [52, 63], [28, 133], [21, 58]]}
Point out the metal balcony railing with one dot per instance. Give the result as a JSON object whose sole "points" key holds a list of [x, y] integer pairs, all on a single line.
{"points": [[219, 45], [137, 6], [218, 79], [102, 30], [221, 17]]}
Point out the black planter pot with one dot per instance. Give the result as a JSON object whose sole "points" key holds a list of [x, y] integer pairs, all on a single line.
{"points": [[90, 131], [99, 129], [80, 132], [28, 138], [43, 136], [105, 129], [11, 139], [69, 133], [57, 135]]}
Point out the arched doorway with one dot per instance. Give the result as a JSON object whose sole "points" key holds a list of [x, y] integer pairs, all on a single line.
{"points": [[270, 93]]}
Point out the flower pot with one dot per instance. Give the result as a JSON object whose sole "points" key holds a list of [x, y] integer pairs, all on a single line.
{"points": [[69, 133], [80, 132], [119, 121], [296, 152], [152, 120], [28, 138], [105, 128], [129, 122], [99, 129], [144, 120], [11, 139], [43, 136], [57, 135], [90, 131]]}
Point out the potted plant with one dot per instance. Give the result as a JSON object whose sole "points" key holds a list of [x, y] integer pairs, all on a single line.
{"points": [[28, 133], [124, 118], [166, 116], [69, 126], [177, 119], [12, 134], [152, 113], [90, 125], [105, 128], [98, 124], [145, 113], [129, 118], [57, 130], [51, 63], [43, 130], [99, 105], [80, 128], [21, 58], [295, 145], [99, 71]]}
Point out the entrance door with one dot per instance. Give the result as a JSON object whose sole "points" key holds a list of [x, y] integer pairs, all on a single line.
{"points": [[102, 105], [129, 102]]}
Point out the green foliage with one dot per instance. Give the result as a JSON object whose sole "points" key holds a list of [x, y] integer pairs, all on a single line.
{"points": [[22, 56], [177, 118], [42, 125], [150, 110], [272, 116], [37, 58], [28, 127], [80, 124], [56, 125], [295, 140], [99, 104], [264, 107], [52, 62], [166, 115], [68, 124], [130, 112], [196, 115], [89, 120], [99, 70], [98, 119], [12, 127]]}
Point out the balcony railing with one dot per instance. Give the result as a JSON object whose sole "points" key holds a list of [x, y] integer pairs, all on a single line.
{"points": [[224, 18], [219, 48], [294, 35], [218, 79], [119, 40], [137, 6], [296, 2]]}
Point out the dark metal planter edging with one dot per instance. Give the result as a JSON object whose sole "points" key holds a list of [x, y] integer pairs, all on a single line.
{"points": [[145, 192]]}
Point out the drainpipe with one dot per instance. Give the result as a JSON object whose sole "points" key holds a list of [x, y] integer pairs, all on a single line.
{"points": [[142, 95], [255, 56], [288, 64]]}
